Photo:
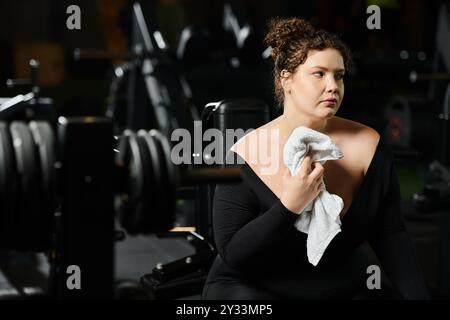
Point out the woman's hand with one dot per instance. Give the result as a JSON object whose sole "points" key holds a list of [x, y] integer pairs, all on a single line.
{"points": [[301, 189]]}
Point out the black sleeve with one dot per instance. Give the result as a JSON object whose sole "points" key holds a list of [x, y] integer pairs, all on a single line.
{"points": [[243, 237], [393, 245]]}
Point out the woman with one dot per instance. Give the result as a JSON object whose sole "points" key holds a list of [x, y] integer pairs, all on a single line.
{"points": [[261, 254]]}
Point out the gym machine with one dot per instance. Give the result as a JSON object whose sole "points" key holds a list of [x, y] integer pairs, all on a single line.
{"points": [[56, 198], [148, 91], [411, 118], [249, 43], [240, 43], [60, 191], [186, 276], [435, 195], [30, 105], [73, 185]]}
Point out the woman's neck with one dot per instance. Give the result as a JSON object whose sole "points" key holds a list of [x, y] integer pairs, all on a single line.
{"points": [[288, 122]]}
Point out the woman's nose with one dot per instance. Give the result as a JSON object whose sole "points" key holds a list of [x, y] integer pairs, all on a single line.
{"points": [[332, 85]]}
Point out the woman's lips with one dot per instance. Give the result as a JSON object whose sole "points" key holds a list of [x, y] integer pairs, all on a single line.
{"points": [[330, 103]]}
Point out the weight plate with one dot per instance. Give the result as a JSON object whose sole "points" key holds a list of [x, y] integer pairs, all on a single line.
{"points": [[157, 192], [130, 155], [122, 160], [160, 211], [7, 189], [44, 141], [168, 178], [149, 195], [28, 200]]}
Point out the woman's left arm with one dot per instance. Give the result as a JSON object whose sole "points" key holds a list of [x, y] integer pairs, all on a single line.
{"points": [[393, 245]]}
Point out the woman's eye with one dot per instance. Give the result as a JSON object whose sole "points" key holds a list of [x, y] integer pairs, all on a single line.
{"points": [[318, 73], [340, 76]]}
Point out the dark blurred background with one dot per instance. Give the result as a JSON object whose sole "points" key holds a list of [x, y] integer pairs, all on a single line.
{"points": [[383, 58], [378, 90]]}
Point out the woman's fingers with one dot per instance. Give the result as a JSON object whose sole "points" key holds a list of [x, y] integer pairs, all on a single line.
{"points": [[317, 172], [305, 167]]}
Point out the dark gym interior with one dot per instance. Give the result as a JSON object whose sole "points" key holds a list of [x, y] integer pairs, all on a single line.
{"points": [[84, 84]]}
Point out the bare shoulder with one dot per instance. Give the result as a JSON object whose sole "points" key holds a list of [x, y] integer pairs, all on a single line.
{"points": [[361, 134], [250, 141], [243, 144], [361, 139]]}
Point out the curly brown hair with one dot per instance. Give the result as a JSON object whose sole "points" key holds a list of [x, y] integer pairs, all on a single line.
{"points": [[291, 39]]}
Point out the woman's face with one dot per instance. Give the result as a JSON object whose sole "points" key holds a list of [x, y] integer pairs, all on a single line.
{"points": [[316, 87]]}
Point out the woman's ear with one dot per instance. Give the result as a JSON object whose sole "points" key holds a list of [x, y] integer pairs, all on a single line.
{"points": [[285, 79]]}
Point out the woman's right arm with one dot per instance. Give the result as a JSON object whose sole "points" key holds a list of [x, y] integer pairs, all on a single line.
{"points": [[243, 237]]}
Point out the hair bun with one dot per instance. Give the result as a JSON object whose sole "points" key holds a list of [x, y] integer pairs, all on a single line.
{"points": [[282, 31]]}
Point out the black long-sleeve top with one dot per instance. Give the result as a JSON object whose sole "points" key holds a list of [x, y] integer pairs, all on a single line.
{"points": [[258, 243]]}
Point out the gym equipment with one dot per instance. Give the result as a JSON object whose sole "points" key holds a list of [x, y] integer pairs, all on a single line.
{"points": [[409, 127], [157, 94], [402, 124], [118, 96], [151, 180], [436, 194], [30, 105], [130, 290], [152, 183], [239, 43], [145, 179], [31, 218], [7, 187], [186, 276], [85, 233], [194, 46], [439, 76], [64, 222], [248, 42], [166, 87], [434, 198], [410, 118], [27, 185], [74, 223], [237, 114]]}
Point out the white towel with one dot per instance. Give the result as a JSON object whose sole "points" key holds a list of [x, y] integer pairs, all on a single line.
{"points": [[320, 219]]}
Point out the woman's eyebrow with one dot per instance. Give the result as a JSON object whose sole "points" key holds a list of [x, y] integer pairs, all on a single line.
{"points": [[326, 69]]}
